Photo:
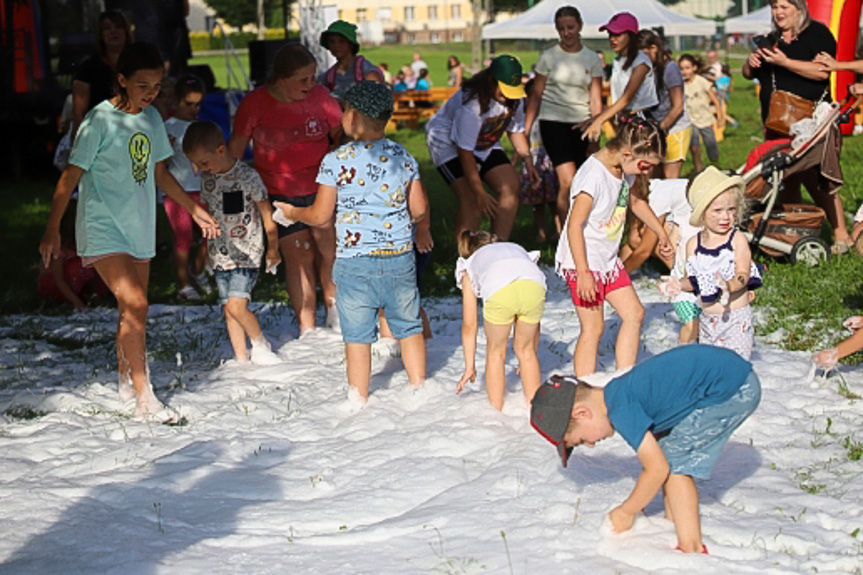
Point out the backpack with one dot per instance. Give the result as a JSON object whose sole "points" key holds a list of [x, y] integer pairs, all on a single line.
{"points": [[330, 78]]}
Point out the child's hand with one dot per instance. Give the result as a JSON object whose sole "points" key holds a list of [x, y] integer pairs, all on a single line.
{"points": [[49, 247], [669, 286], [209, 227], [826, 61], [621, 520], [469, 375], [531, 171], [826, 359], [586, 286], [487, 204], [273, 260], [666, 249], [424, 240], [592, 132], [853, 323], [282, 213]]}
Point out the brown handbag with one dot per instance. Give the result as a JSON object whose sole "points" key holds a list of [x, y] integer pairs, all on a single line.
{"points": [[786, 109]]}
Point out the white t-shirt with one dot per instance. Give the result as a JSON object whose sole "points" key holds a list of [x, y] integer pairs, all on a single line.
{"points": [[646, 96], [495, 266], [459, 125], [566, 97], [696, 97], [669, 197], [418, 65], [604, 225], [178, 164]]}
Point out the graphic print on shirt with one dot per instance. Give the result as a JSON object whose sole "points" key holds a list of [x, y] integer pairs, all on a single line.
{"points": [[139, 152], [491, 130], [614, 226], [314, 128]]}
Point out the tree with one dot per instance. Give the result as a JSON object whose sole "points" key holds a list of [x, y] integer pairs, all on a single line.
{"points": [[240, 12]]}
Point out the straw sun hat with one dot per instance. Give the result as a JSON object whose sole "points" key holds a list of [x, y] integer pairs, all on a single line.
{"points": [[706, 187]]}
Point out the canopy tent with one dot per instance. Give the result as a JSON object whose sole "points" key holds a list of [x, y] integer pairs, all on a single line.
{"points": [[757, 22], [537, 23]]}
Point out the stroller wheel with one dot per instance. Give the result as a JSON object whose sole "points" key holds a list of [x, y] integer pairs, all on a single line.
{"points": [[810, 251]]}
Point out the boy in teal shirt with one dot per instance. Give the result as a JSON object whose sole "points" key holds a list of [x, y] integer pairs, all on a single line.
{"points": [[676, 410]]}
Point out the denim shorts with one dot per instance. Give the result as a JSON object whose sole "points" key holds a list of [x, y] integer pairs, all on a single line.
{"points": [[238, 282], [693, 445], [366, 283]]}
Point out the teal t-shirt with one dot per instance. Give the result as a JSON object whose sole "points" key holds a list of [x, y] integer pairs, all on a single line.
{"points": [[118, 152], [657, 394]]}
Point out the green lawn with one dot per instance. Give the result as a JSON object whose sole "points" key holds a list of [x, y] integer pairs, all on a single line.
{"points": [[807, 305]]}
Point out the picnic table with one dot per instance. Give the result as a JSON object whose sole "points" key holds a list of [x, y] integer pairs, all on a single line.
{"points": [[411, 106]]}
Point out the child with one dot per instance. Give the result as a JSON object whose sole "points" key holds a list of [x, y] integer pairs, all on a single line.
{"points": [[700, 95], [676, 410], [118, 157], [188, 94], [587, 253], [372, 184], [512, 289], [828, 358], [236, 198], [719, 266], [544, 191]]}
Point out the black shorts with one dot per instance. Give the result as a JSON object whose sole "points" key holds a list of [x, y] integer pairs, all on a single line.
{"points": [[452, 170], [563, 143], [300, 202]]}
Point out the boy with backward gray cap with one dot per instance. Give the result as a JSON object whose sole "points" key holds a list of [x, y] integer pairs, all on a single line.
{"points": [[676, 410], [373, 186]]}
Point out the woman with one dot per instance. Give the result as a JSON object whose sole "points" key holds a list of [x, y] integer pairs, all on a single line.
{"points": [[340, 38], [464, 143], [789, 65], [456, 72], [94, 81], [669, 113], [632, 85], [292, 122], [567, 92]]}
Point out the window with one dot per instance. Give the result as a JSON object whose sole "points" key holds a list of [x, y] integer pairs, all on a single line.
{"points": [[432, 12], [385, 14], [412, 38], [457, 37], [409, 13], [362, 15], [435, 38], [455, 11]]}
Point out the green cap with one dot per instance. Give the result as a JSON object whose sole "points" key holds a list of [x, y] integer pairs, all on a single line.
{"points": [[346, 29], [507, 71]]}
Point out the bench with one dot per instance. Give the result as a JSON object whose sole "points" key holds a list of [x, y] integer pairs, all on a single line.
{"points": [[411, 106]]}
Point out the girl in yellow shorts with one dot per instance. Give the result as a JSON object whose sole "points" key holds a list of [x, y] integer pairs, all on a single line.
{"points": [[512, 289]]}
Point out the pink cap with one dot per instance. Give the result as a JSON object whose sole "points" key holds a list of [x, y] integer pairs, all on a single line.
{"points": [[620, 23]]}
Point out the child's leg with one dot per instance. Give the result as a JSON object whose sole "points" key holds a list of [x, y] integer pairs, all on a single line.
{"points": [[592, 324], [299, 259], [627, 305], [496, 344], [688, 332], [413, 350], [200, 260], [241, 323], [181, 225], [710, 144], [468, 215], [427, 331], [359, 366], [525, 342], [127, 279], [539, 221], [325, 243], [695, 149], [681, 499], [565, 174]]}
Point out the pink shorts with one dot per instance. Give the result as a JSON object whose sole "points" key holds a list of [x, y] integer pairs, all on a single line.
{"points": [[605, 284], [181, 222]]}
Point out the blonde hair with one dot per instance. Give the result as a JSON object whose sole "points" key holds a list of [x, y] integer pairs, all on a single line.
{"points": [[469, 242], [802, 23]]}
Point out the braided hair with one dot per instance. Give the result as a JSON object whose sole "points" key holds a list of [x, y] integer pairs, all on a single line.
{"points": [[642, 137]]}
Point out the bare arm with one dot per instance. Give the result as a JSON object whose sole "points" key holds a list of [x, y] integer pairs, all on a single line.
{"points": [[812, 70], [642, 211], [266, 210], [49, 247], [639, 73], [167, 183], [654, 474], [596, 96], [319, 213], [643, 250], [534, 101], [56, 268], [831, 64], [742, 266], [80, 102], [675, 94], [237, 144], [469, 323], [720, 111], [418, 201]]}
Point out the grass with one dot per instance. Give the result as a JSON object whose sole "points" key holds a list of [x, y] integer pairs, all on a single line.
{"points": [[802, 307]]}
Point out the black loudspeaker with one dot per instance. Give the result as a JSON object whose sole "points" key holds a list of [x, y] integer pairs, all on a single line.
{"points": [[262, 53]]}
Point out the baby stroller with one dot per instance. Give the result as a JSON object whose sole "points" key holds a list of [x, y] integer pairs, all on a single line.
{"points": [[793, 229]]}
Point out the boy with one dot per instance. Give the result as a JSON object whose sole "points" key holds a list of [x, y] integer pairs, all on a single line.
{"points": [[676, 410], [236, 197], [373, 186]]}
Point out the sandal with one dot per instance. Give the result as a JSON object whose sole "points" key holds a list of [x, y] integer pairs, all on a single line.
{"points": [[840, 247]]}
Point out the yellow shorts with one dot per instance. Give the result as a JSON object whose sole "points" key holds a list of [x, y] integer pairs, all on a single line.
{"points": [[677, 145], [522, 299]]}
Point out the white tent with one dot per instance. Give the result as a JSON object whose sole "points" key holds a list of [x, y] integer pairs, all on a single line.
{"points": [[757, 22], [537, 23]]}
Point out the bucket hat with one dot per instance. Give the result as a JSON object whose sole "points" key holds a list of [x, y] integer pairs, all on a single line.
{"points": [[706, 187], [507, 71], [342, 28], [371, 99]]}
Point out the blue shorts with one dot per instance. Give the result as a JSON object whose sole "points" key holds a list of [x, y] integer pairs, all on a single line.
{"points": [[238, 282], [366, 283], [693, 445]]}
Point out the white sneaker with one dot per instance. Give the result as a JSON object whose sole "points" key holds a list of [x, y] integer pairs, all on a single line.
{"points": [[333, 318], [262, 354], [189, 293]]}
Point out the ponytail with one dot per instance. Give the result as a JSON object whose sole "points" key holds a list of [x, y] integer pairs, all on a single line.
{"points": [[642, 137]]}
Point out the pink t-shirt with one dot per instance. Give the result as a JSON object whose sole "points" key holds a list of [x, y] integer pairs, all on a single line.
{"points": [[290, 140]]}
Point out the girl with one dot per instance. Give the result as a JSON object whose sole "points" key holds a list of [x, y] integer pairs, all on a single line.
{"points": [[534, 194], [512, 288], [587, 254], [700, 95], [463, 138], [119, 157], [719, 266], [340, 38], [567, 92], [632, 84], [456, 72], [188, 96], [669, 113]]}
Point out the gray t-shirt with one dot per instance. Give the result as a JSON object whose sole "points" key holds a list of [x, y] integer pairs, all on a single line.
{"points": [[671, 78]]}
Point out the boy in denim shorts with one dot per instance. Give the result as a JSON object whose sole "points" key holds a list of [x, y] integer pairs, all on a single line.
{"points": [[236, 197], [676, 410], [373, 185]]}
